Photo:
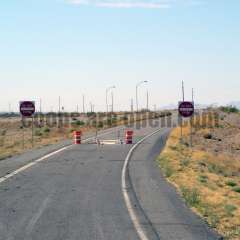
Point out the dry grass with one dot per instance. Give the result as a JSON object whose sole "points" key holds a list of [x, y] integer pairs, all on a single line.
{"points": [[12, 135], [210, 183]]}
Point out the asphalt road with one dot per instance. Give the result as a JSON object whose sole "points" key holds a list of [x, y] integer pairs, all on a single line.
{"points": [[76, 194]]}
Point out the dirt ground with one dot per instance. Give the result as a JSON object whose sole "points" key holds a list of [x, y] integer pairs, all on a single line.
{"points": [[225, 137]]}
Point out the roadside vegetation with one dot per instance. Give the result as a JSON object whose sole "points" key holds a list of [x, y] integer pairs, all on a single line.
{"points": [[207, 175]]}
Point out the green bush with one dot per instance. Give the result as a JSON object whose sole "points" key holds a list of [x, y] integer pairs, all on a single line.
{"points": [[185, 162], [231, 183], [100, 125], [229, 109], [229, 209], [167, 170], [191, 196], [46, 130], [203, 178], [3, 132], [38, 133], [236, 189], [79, 123]]}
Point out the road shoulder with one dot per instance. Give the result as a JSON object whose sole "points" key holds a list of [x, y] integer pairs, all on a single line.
{"points": [[160, 203]]}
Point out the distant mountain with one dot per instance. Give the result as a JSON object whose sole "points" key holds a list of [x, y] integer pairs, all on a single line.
{"points": [[169, 107]]}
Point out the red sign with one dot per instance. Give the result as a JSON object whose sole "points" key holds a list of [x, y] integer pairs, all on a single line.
{"points": [[27, 108], [186, 109]]}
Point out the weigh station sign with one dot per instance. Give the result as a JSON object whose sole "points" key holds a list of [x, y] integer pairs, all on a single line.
{"points": [[27, 108], [186, 109]]}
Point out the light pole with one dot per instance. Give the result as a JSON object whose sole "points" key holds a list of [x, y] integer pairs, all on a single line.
{"points": [[138, 84], [107, 90]]}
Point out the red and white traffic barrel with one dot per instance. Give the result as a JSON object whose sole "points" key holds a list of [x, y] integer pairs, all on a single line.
{"points": [[77, 137], [129, 137]]}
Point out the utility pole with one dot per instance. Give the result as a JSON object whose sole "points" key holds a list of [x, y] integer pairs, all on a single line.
{"points": [[112, 100], [147, 100], [83, 104], [155, 108], [183, 98], [59, 104], [183, 94], [138, 84], [191, 122], [9, 108], [132, 105], [107, 90], [90, 104], [40, 105]]}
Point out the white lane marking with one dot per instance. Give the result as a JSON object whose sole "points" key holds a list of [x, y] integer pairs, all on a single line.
{"points": [[25, 167], [130, 207], [37, 216]]}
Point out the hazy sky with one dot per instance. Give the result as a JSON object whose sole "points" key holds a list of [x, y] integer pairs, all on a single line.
{"points": [[58, 47]]}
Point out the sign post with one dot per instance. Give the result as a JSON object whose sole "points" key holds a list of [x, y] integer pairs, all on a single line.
{"points": [[186, 110], [27, 110]]}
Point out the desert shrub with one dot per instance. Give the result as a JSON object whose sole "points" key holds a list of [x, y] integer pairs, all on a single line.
{"points": [[208, 136], [167, 170], [38, 133], [210, 213], [236, 189], [100, 125], [203, 178], [185, 162], [214, 168], [94, 123], [229, 209], [125, 118], [231, 183], [229, 109], [191, 196], [79, 123], [46, 130], [3, 132], [109, 122], [1, 141]]}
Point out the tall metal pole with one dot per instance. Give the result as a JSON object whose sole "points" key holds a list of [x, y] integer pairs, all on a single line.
{"points": [[132, 105], [191, 122], [83, 104], [40, 107], [9, 108], [107, 90], [138, 84], [59, 104], [147, 100], [183, 98], [107, 101], [137, 98], [90, 104], [183, 94], [112, 100]]}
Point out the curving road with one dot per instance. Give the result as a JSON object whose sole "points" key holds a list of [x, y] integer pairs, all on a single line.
{"points": [[76, 194]]}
